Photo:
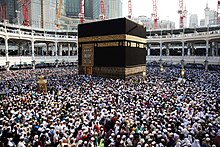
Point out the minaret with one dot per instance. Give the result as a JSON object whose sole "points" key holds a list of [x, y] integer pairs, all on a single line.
{"points": [[207, 14]]}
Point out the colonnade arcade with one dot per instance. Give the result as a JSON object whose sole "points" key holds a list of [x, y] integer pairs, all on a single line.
{"points": [[33, 48], [204, 47]]}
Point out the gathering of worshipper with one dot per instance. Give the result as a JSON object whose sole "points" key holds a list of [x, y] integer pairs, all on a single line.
{"points": [[85, 111]]}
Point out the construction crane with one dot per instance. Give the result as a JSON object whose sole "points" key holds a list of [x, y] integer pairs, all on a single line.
{"points": [[58, 13], [42, 13], [102, 10], [24, 4], [218, 12], [154, 14], [129, 9], [2, 11], [181, 13], [81, 14]]}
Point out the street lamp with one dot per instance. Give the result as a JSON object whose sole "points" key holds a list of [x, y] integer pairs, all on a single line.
{"points": [[144, 75], [182, 72], [161, 67]]}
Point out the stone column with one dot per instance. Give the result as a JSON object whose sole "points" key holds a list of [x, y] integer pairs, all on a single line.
{"points": [[206, 54], [182, 61], [193, 49], [161, 50], [148, 51], [56, 54], [73, 47], [6, 54], [68, 49], [188, 52], [56, 49], [189, 46], [167, 50], [217, 49], [60, 50], [76, 48], [213, 47], [207, 50], [183, 50], [53, 52], [32, 54], [19, 49], [42, 51], [47, 49]]}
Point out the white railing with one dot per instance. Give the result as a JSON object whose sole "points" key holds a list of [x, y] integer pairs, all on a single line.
{"points": [[187, 59], [190, 35], [28, 59], [16, 32], [51, 59]]}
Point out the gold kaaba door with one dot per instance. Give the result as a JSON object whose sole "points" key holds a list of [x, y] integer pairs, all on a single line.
{"points": [[88, 57], [88, 70]]}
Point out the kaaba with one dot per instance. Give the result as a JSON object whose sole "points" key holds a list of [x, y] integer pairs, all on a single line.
{"points": [[113, 48]]}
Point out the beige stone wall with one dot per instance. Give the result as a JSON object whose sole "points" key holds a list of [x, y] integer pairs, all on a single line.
{"points": [[115, 72], [135, 70]]}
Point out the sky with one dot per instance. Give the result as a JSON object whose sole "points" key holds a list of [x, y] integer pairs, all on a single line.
{"points": [[167, 9]]}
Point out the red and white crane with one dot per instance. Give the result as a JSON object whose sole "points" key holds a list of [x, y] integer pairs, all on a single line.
{"points": [[81, 14], [181, 13], [3, 12], [102, 10], [129, 9], [154, 14], [58, 13], [24, 4], [218, 12]]}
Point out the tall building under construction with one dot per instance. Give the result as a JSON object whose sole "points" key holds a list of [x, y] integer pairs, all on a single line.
{"points": [[47, 14], [113, 8], [8, 10], [40, 13]]}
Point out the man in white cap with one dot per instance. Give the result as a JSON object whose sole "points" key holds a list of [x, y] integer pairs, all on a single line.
{"points": [[196, 143], [21, 143], [131, 109]]}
